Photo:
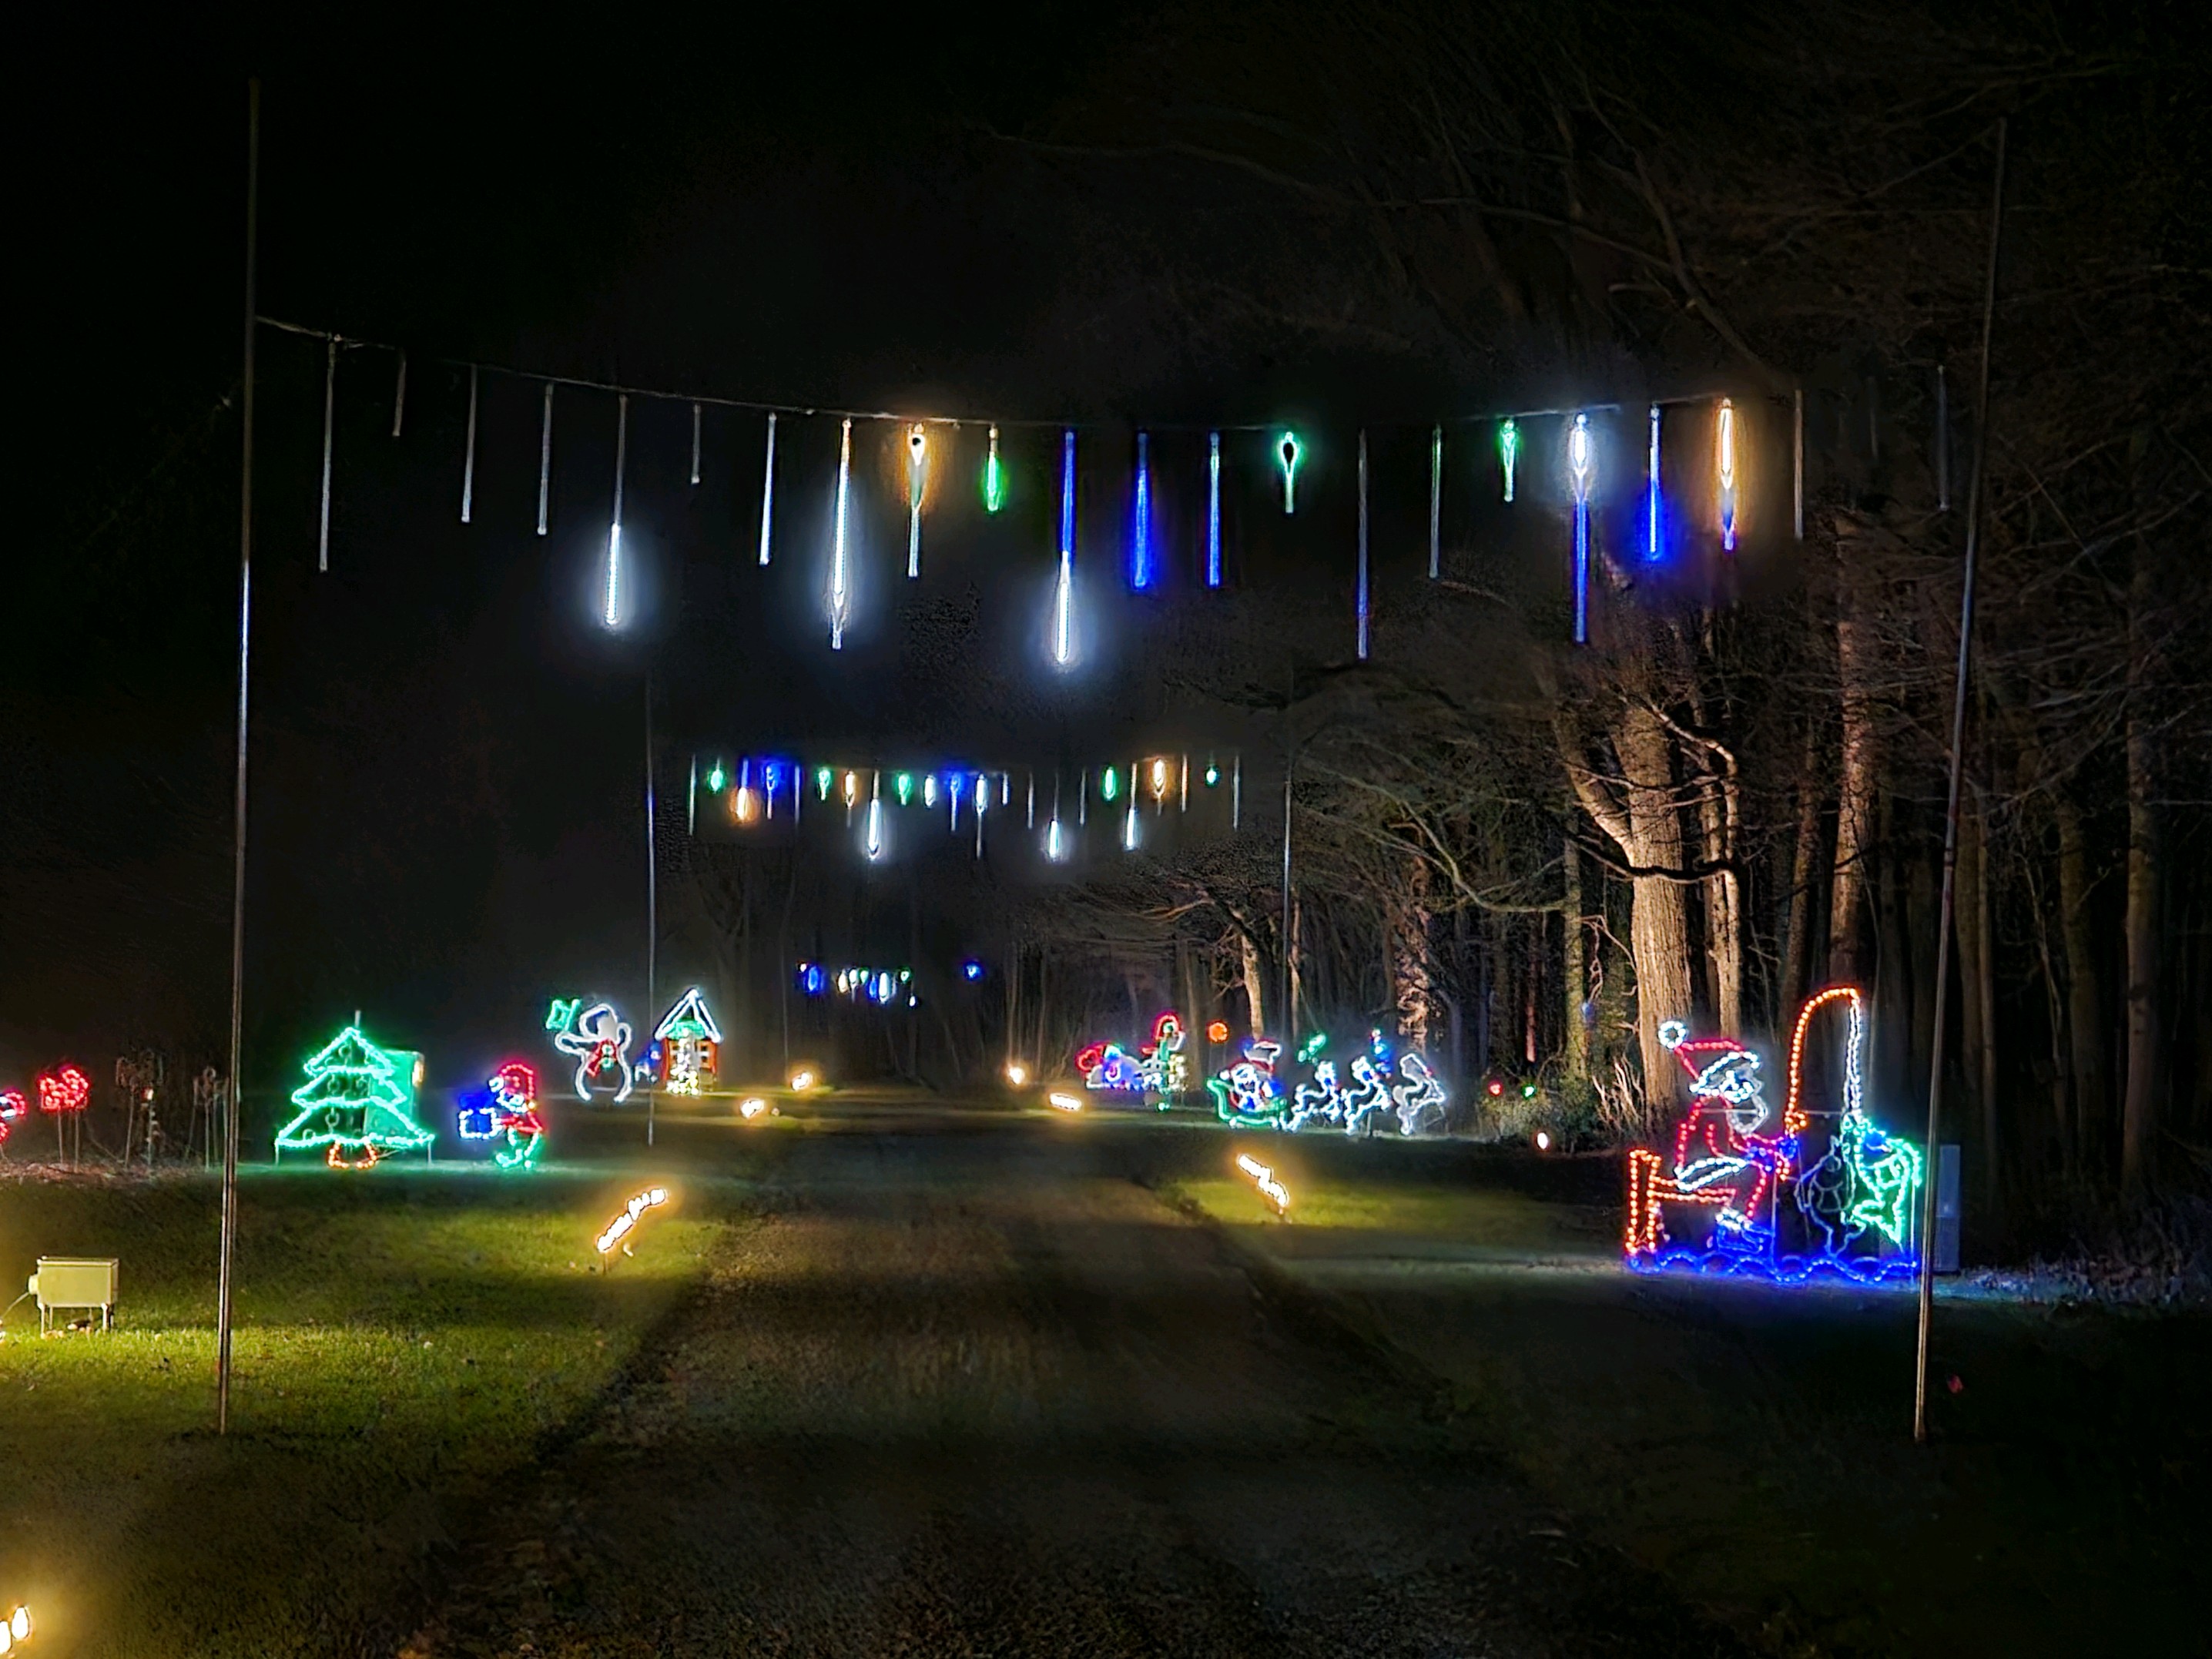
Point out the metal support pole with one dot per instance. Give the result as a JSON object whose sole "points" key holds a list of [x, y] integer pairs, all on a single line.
{"points": [[652, 907], [1284, 1013], [234, 1098], [1951, 805]]}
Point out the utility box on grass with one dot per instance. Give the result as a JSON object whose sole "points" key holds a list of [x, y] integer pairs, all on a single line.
{"points": [[63, 1283]]}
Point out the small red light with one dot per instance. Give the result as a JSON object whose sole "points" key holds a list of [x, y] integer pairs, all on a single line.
{"points": [[1497, 1088], [1217, 1031]]}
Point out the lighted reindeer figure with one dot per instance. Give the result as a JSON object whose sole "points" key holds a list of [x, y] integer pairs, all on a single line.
{"points": [[1865, 1179]]}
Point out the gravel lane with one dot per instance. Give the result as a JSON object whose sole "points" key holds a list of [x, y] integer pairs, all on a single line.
{"points": [[976, 1393]]}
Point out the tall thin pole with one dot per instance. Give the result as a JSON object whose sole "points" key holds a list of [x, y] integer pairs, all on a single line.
{"points": [[652, 906], [1283, 987], [1951, 805], [234, 1096]]}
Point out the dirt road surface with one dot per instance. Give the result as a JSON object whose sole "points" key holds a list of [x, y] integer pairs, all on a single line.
{"points": [[969, 1390]]}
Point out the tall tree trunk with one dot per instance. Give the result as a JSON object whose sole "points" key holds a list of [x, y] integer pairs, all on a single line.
{"points": [[1890, 1043], [2139, 1109], [1717, 820], [1857, 761], [1977, 983], [1648, 832], [2085, 1014], [1414, 984], [1798, 945], [1255, 999], [1574, 986]]}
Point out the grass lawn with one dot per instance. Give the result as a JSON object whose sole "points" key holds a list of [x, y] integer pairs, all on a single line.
{"points": [[403, 1338], [1754, 1442]]}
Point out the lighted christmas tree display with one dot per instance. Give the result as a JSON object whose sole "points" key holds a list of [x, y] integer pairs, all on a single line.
{"points": [[357, 1103]]}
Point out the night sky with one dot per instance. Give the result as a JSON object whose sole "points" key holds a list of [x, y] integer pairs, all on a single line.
{"points": [[447, 751]]}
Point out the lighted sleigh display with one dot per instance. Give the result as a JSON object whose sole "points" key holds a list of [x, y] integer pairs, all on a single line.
{"points": [[1820, 1188], [1158, 1069]]}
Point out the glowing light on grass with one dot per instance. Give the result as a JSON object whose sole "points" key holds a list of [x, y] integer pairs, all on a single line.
{"points": [[1724, 467], [917, 480], [1055, 841], [841, 598], [994, 477], [751, 1107], [1140, 532], [625, 1222], [1214, 510], [1509, 453], [1651, 492], [16, 1629], [1287, 454], [1264, 1178], [1579, 468], [804, 1079], [1016, 1073], [1065, 1101], [1543, 1140], [1063, 598]]}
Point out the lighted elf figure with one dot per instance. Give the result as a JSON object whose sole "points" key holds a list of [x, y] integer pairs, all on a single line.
{"points": [[689, 1044], [598, 1038], [514, 1113], [1165, 1072], [1728, 1148], [357, 1103]]}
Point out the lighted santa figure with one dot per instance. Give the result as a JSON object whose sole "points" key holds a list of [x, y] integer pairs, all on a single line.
{"points": [[1729, 1148]]}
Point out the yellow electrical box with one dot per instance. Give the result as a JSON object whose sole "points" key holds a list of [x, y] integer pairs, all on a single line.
{"points": [[68, 1282]]}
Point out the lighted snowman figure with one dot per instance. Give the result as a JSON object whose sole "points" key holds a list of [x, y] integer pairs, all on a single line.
{"points": [[598, 1038]]}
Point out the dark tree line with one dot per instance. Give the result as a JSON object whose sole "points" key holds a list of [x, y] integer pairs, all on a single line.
{"points": [[1529, 855]]}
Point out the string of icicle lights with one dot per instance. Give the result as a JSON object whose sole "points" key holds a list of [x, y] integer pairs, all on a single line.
{"points": [[928, 443], [755, 791]]}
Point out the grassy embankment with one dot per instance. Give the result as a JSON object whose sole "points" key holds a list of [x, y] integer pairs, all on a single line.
{"points": [[1754, 1441], [403, 1338]]}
